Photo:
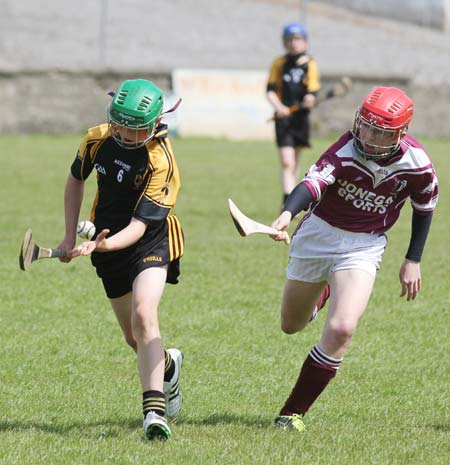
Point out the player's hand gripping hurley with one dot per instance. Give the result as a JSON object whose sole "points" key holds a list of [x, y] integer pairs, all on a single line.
{"points": [[341, 88], [247, 226], [31, 252]]}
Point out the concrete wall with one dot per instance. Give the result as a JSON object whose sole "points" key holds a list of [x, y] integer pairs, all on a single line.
{"points": [[61, 102], [59, 59], [428, 13]]}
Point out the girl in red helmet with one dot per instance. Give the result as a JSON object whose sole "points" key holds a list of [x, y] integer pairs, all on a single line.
{"points": [[353, 194]]}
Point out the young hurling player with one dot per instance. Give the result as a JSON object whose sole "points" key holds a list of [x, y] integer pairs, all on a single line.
{"points": [[139, 242], [291, 90], [355, 192]]}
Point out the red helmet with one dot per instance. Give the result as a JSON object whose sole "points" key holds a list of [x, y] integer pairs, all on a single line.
{"points": [[381, 122]]}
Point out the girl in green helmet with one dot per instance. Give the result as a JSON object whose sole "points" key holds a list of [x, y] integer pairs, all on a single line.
{"points": [[138, 242]]}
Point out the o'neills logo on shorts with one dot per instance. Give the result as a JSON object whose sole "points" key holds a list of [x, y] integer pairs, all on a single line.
{"points": [[362, 198], [152, 258]]}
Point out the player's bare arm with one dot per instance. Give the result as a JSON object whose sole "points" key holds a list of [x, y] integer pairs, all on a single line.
{"points": [[73, 197], [121, 240], [281, 110], [309, 101]]}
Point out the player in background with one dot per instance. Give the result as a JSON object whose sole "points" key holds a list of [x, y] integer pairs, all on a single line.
{"points": [[354, 192], [139, 243], [292, 89]]}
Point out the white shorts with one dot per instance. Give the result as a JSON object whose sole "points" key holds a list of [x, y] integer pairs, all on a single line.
{"points": [[319, 249]]}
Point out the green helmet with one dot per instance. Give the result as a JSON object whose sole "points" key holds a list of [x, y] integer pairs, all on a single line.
{"points": [[137, 105]]}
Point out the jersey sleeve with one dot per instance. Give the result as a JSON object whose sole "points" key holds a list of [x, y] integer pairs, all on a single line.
{"points": [[325, 171], [312, 80], [274, 82], [424, 199], [160, 192], [85, 160]]}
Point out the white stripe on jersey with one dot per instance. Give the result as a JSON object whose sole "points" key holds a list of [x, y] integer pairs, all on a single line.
{"points": [[430, 206], [414, 161], [325, 175]]}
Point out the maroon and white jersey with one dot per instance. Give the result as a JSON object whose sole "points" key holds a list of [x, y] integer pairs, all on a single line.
{"points": [[361, 195]]}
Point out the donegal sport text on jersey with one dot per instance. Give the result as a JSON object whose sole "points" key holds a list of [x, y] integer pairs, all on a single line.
{"points": [[360, 195], [141, 183]]}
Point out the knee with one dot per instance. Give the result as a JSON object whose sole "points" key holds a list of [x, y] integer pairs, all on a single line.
{"points": [[341, 332], [290, 327], [143, 323], [287, 328], [288, 165]]}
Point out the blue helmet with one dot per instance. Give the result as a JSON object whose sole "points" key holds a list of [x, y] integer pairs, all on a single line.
{"points": [[294, 29]]}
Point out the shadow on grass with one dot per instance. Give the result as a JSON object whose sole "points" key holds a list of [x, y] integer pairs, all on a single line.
{"points": [[85, 428], [227, 419], [445, 428], [113, 428]]}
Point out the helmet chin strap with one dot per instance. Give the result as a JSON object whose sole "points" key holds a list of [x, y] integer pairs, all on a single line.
{"points": [[173, 108]]}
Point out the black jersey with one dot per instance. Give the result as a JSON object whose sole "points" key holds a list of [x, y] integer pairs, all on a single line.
{"points": [[141, 183], [292, 77]]}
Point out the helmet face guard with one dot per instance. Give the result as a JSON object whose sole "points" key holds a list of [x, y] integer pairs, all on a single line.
{"points": [[381, 122], [134, 113], [130, 137], [375, 142]]}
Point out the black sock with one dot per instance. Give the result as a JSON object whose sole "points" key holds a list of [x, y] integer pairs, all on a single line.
{"points": [[155, 401]]}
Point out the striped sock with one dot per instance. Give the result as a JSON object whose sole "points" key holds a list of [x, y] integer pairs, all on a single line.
{"points": [[155, 401], [320, 357], [317, 371]]}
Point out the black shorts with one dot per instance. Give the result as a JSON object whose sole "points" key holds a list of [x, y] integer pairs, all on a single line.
{"points": [[158, 247], [294, 130]]}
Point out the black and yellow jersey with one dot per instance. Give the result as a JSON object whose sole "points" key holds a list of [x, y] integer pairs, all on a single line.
{"points": [[292, 77], [142, 183]]}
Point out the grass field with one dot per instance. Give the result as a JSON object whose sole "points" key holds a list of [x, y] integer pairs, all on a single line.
{"points": [[69, 391]]}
